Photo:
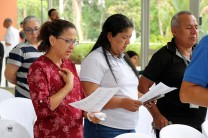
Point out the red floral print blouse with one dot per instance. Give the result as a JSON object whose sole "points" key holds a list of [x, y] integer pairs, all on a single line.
{"points": [[44, 81]]}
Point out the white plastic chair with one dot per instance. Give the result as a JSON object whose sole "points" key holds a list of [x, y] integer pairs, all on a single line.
{"points": [[4, 94], [180, 131], [12, 129], [206, 115], [145, 122], [20, 110], [205, 128], [133, 135]]}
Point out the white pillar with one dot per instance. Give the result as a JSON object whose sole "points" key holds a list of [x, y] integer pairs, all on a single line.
{"points": [[61, 7], [145, 31], [194, 8], [50, 4]]}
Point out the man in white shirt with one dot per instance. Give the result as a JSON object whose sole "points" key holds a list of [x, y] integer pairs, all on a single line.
{"points": [[11, 37]]}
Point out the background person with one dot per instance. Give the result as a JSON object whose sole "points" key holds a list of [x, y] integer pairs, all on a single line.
{"points": [[195, 82], [21, 32], [168, 65], [53, 14], [54, 83], [107, 66], [134, 59], [22, 56], [11, 37], [1, 58]]}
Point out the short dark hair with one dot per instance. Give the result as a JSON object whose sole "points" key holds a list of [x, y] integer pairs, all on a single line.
{"points": [[131, 53], [50, 11]]}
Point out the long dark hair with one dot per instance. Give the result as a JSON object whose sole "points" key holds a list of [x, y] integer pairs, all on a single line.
{"points": [[114, 24]]}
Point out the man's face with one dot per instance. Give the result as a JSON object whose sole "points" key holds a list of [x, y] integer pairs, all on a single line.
{"points": [[186, 33], [5, 24], [54, 15]]}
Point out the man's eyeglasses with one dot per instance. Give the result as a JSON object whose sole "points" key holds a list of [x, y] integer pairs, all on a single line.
{"points": [[30, 31], [69, 41]]}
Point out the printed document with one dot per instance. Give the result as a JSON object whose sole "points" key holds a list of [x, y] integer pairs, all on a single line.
{"points": [[156, 92], [95, 101]]}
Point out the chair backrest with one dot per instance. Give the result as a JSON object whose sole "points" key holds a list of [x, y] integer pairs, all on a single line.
{"points": [[180, 131], [20, 110], [133, 135], [4, 94], [145, 122], [12, 129], [205, 128]]}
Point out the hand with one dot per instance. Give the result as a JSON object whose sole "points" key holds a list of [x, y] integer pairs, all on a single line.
{"points": [[160, 121], [150, 104], [130, 104], [91, 117], [67, 76]]}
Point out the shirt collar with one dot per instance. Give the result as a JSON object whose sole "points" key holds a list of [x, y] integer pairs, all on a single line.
{"points": [[109, 54]]}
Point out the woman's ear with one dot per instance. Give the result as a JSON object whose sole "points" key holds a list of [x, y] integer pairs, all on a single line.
{"points": [[52, 40], [109, 36]]}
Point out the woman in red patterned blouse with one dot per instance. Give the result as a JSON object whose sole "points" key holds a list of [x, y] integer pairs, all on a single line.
{"points": [[54, 83]]}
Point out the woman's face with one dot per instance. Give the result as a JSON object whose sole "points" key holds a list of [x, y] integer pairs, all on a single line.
{"points": [[65, 43], [31, 31], [120, 41], [135, 60]]}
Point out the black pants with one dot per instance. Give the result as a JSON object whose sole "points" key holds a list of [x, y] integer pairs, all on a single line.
{"points": [[1, 58]]}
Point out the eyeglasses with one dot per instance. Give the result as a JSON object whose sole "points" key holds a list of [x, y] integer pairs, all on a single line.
{"points": [[30, 31], [69, 41]]}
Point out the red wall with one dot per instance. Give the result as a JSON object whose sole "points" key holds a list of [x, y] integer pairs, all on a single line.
{"points": [[8, 9]]}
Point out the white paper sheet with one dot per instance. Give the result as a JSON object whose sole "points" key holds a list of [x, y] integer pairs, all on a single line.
{"points": [[156, 91], [95, 101]]}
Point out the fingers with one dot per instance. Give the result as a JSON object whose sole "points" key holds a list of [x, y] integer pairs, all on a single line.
{"points": [[92, 118], [64, 72], [150, 104], [67, 76], [136, 106], [162, 124]]}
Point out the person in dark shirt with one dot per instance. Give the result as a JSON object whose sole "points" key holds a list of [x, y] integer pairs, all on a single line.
{"points": [[53, 14], [168, 65]]}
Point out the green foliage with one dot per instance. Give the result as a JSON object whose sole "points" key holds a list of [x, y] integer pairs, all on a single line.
{"points": [[80, 52], [32, 7], [94, 14], [92, 20], [134, 47], [128, 8], [203, 30], [180, 5]]}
